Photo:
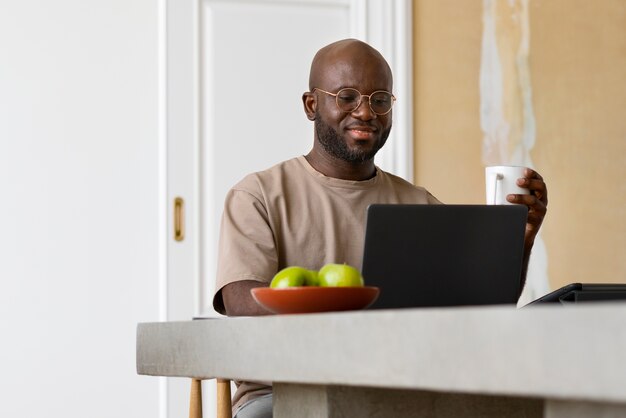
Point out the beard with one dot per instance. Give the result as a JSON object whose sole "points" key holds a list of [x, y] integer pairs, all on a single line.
{"points": [[336, 146]]}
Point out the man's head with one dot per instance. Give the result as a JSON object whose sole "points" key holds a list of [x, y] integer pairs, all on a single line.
{"points": [[349, 135]]}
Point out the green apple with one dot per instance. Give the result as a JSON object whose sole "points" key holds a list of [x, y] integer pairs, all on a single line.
{"points": [[312, 278], [290, 277], [340, 275]]}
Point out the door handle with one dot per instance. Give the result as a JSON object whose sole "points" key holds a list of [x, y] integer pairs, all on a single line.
{"points": [[179, 219]]}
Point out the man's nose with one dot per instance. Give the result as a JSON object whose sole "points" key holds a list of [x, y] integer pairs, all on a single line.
{"points": [[364, 111]]}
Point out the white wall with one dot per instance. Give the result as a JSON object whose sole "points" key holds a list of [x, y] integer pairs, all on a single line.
{"points": [[78, 206]]}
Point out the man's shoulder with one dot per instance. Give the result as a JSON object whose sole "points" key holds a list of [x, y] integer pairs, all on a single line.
{"points": [[291, 165], [395, 180], [258, 180], [406, 188]]}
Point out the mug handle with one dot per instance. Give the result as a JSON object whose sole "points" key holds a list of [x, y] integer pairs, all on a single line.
{"points": [[498, 177]]}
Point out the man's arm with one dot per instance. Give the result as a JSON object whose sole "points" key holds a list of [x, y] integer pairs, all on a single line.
{"points": [[537, 202], [525, 261], [238, 300], [246, 252]]}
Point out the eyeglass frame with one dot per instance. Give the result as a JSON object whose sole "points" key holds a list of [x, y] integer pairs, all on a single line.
{"points": [[369, 96]]}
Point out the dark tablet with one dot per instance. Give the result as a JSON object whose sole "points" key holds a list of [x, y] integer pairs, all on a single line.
{"points": [[584, 292]]}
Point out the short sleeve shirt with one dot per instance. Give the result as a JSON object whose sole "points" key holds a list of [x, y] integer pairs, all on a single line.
{"points": [[292, 215]]}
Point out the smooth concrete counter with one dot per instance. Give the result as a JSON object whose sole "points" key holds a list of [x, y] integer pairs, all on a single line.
{"points": [[556, 353]]}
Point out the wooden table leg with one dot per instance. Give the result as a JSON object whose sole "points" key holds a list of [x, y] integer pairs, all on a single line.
{"points": [[195, 400], [223, 399]]}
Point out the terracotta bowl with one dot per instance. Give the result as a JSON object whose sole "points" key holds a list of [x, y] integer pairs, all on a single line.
{"points": [[314, 299]]}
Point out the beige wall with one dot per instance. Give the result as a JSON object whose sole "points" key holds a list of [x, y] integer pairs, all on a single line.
{"points": [[578, 77]]}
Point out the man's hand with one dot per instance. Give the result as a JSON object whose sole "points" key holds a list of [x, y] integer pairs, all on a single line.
{"points": [[537, 202]]}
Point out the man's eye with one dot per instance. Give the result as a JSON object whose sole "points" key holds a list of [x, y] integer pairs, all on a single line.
{"points": [[381, 100], [346, 97]]}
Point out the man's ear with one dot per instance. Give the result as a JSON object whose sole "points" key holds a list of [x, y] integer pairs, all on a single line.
{"points": [[310, 105]]}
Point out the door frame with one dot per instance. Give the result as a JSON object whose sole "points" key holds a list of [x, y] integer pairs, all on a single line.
{"points": [[181, 268], [180, 127]]}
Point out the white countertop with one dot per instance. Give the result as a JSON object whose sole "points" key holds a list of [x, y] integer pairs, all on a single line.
{"points": [[545, 351]]}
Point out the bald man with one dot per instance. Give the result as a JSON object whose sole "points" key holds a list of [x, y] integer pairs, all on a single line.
{"points": [[310, 210]]}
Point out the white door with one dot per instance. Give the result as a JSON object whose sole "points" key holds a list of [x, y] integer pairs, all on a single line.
{"points": [[78, 206], [235, 72]]}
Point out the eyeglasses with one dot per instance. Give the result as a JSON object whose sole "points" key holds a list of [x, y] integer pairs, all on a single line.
{"points": [[349, 100]]}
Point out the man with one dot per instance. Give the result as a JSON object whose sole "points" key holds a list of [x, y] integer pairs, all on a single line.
{"points": [[310, 210]]}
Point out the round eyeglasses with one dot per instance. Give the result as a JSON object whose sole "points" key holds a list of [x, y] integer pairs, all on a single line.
{"points": [[348, 100]]}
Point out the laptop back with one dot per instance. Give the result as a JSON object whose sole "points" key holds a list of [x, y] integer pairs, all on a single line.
{"points": [[444, 255]]}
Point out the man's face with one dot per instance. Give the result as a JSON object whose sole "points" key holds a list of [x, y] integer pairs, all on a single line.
{"points": [[358, 135], [337, 145]]}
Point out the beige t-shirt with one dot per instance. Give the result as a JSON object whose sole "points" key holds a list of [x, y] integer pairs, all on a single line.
{"points": [[292, 215]]}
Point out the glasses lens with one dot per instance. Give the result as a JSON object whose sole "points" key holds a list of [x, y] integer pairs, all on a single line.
{"points": [[348, 99], [381, 102]]}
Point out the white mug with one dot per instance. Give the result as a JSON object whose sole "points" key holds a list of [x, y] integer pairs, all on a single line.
{"points": [[501, 180]]}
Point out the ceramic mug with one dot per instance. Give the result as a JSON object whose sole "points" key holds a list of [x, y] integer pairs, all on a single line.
{"points": [[501, 180]]}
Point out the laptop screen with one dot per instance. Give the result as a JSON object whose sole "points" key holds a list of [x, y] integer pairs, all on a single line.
{"points": [[444, 255]]}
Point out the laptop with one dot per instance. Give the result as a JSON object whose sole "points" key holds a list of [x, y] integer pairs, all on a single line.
{"points": [[444, 255]]}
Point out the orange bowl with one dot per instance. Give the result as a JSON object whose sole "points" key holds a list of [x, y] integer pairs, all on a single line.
{"points": [[308, 299]]}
